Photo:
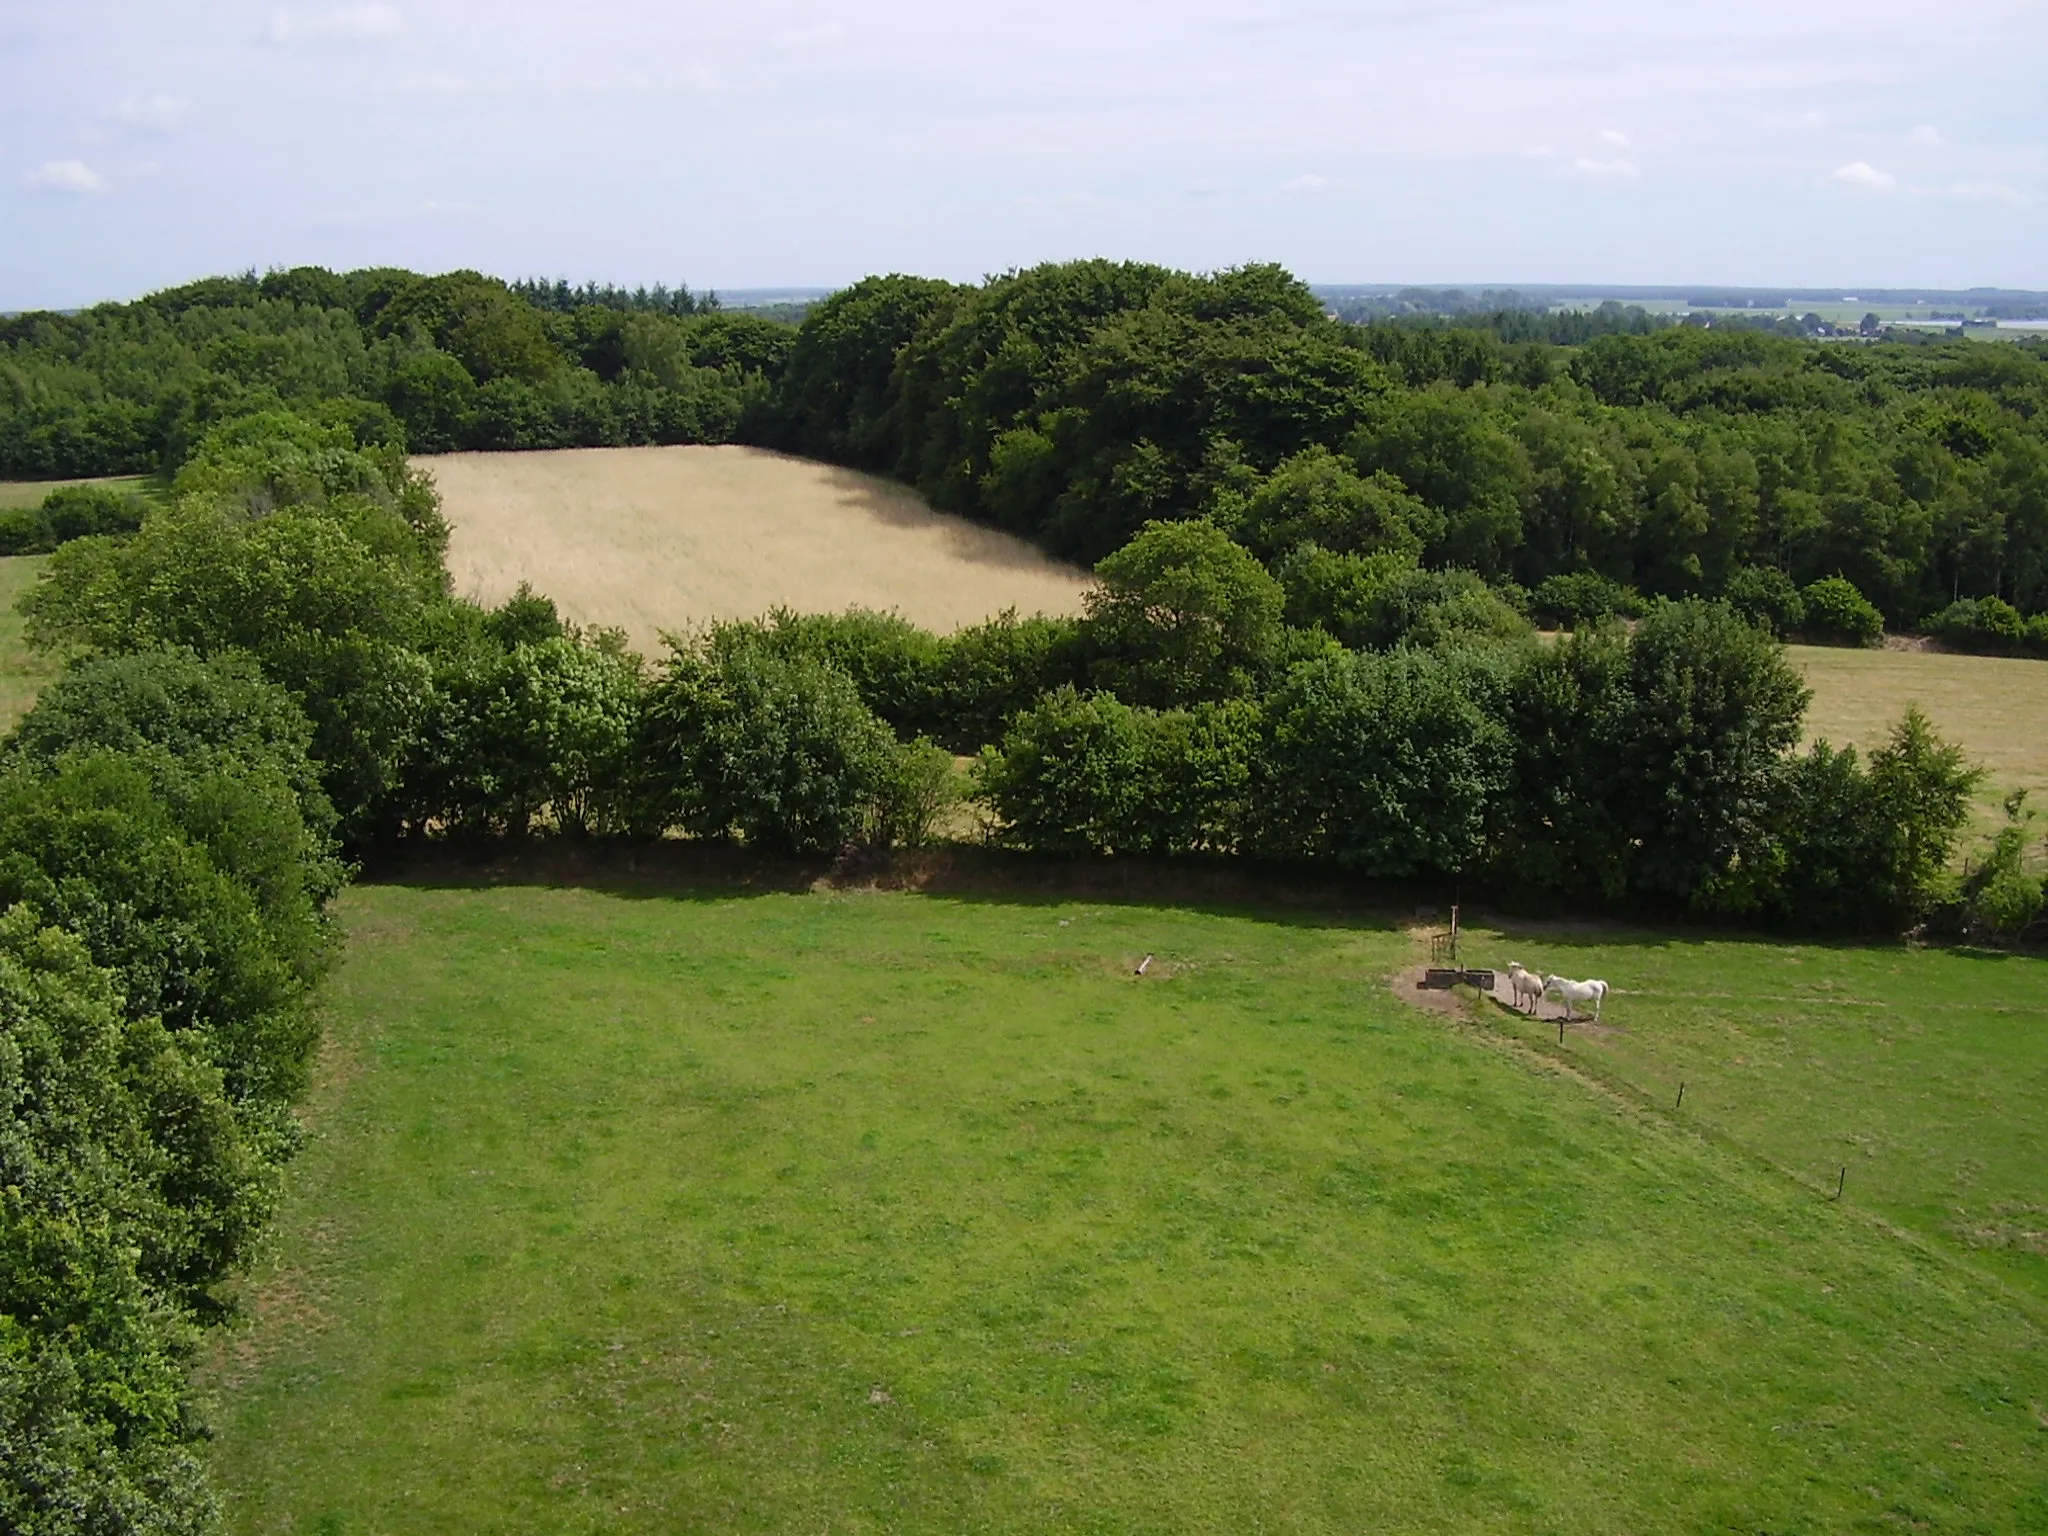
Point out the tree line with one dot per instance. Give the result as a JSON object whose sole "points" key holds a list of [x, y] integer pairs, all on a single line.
{"points": [[1073, 403]]}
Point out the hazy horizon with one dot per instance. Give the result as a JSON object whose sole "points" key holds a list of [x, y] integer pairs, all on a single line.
{"points": [[803, 145]]}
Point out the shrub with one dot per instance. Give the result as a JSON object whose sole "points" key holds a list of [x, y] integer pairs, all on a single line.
{"points": [[1380, 763], [892, 662], [1767, 597], [226, 753], [1182, 614], [2006, 904], [1070, 775], [1837, 612], [543, 729], [988, 672], [777, 750], [1198, 779], [1434, 608], [1575, 598], [923, 790], [1987, 624]]}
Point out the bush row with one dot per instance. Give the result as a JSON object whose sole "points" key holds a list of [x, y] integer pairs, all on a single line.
{"points": [[66, 513], [166, 860], [1355, 709]]}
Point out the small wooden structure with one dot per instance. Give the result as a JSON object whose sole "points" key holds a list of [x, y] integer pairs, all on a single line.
{"points": [[1445, 970], [1440, 976]]}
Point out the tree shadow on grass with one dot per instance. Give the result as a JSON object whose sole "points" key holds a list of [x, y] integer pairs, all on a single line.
{"points": [[679, 869], [673, 869]]}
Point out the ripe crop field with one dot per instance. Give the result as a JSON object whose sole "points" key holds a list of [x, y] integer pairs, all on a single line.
{"points": [[655, 539], [878, 1211], [1994, 707]]}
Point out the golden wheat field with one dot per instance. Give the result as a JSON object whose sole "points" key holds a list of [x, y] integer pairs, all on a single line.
{"points": [[654, 539], [1994, 707]]}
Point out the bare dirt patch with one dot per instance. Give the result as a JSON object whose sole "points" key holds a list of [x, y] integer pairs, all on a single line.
{"points": [[653, 539]]}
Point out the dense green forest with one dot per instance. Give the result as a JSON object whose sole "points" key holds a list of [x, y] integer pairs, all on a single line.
{"points": [[1074, 403]]}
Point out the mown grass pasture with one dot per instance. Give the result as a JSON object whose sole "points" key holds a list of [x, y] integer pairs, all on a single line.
{"points": [[22, 671], [866, 1211], [1922, 1072], [30, 493]]}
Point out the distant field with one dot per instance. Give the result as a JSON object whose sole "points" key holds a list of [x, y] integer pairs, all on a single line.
{"points": [[655, 539], [876, 1212], [22, 671], [30, 493], [1995, 707]]}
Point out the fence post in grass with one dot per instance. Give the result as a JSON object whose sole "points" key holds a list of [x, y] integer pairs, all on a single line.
{"points": [[1841, 1179], [1560, 1029], [1681, 1095]]}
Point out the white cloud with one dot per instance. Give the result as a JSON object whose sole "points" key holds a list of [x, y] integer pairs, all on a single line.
{"points": [[1615, 137], [155, 114], [1860, 173], [1309, 182], [353, 24], [1607, 170], [1926, 136], [66, 176]]}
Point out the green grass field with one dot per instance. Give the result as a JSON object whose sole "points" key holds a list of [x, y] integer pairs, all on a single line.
{"points": [[863, 1212], [30, 493], [22, 671]]}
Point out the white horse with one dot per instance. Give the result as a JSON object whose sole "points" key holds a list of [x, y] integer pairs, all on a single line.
{"points": [[1524, 983], [1574, 994]]}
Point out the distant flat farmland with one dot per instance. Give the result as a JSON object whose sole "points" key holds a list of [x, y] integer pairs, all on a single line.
{"points": [[654, 539]]}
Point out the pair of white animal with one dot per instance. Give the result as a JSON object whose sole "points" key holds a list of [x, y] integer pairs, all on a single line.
{"points": [[1525, 983]]}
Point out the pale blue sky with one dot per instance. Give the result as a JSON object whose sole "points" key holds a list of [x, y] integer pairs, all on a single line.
{"points": [[1746, 141]]}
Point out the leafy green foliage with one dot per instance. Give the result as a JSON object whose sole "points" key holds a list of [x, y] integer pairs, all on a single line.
{"points": [[1573, 598], [1070, 776], [777, 750], [69, 512], [329, 601], [94, 1435], [1835, 610], [1182, 614], [1386, 764], [542, 729], [1713, 705], [1853, 849], [1767, 597]]}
